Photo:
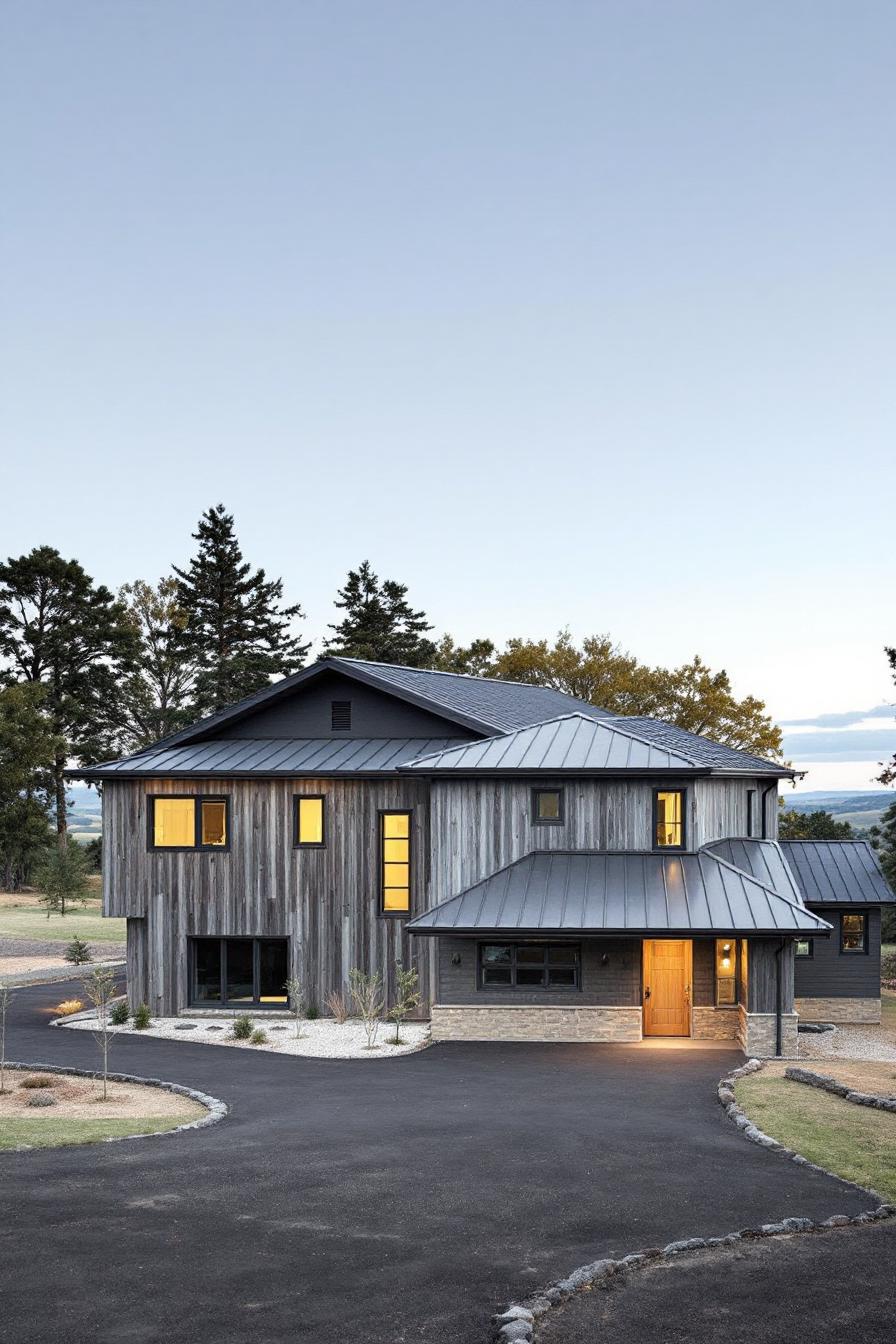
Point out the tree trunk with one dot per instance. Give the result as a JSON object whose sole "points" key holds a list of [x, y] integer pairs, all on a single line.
{"points": [[61, 813]]}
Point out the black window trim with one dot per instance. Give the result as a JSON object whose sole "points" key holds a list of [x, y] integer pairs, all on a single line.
{"points": [[735, 950], [670, 788], [855, 951], [256, 940], [804, 956], [751, 811], [537, 791], [513, 988], [197, 799], [380, 856], [309, 844]]}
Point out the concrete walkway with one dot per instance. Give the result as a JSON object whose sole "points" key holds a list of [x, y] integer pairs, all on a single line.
{"points": [[374, 1201]]}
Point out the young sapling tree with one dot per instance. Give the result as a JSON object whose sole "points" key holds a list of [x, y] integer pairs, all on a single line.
{"points": [[296, 1002], [99, 988], [367, 1001], [5, 997], [407, 997]]}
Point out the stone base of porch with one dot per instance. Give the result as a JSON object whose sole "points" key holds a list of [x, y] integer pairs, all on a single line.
{"points": [[715, 1024], [757, 1034], [856, 1012], [522, 1022]]}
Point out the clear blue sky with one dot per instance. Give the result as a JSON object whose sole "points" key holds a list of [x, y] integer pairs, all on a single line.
{"points": [[562, 313]]}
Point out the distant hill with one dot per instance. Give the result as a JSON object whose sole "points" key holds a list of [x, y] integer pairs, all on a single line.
{"points": [[85, 814], [861, 810]]}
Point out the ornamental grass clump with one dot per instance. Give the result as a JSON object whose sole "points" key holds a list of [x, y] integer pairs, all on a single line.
{"points": [[41, 1099], [69, 1006], [367, 1001], [36, 1081], [336, 1006], [259, 1037]]}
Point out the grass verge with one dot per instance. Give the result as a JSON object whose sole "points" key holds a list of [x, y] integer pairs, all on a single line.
{"points": [[852, 1141], [88, 924], [888, 1011], [56, 1133]]}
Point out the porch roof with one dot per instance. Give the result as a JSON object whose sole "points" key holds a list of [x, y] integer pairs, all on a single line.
{"points": [[573, 892]]}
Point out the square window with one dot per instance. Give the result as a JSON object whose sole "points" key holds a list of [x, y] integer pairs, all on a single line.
{"points": [[174, 823], [668, 819], [547, 807], [803, 947]]}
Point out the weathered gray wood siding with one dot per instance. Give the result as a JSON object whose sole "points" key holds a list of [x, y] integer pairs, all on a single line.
{"points": [[326, 901], [611, 975], [762, 962], [481, 825], [832, 974]]}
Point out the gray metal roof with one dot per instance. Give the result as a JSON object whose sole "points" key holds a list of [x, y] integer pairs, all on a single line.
{"points": [[703, 750], [271, 756], [763, 859], [837, 872], [569, 743], [566, 892], [576, 742]]}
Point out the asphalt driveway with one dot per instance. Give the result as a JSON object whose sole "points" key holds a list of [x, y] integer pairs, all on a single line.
{"points": [[372, 1201]]}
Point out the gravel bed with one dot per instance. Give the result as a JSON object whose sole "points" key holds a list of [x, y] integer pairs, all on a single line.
{"points": [[323, 1038], [35, 947], [849, 1043]]}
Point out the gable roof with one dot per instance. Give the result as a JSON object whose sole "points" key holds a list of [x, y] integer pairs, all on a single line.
{"points": [[575, 891], [575, 743], [481, 704], [837, 872], [763, 859], [270, 757]]}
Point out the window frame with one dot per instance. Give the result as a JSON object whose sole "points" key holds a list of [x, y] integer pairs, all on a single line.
{"points": [[197, 799], [298, 798], [383, 812], [537, 791], [735, 974], [855, 951], [670, 849], [228, 1005], [804, 956], [574, 948]]}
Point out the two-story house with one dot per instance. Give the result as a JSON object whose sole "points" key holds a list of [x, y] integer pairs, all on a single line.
{"points": [[555, 872]]}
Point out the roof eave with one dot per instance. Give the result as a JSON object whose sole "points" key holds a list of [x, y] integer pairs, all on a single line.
{"points": [[505, 931]]}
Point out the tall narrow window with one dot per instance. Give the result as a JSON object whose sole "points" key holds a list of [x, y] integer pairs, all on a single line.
{"points": [[726, 971], [853, 933], [751, 810], [310, 830], [668, 819], [188, 823], [340, 715], [395, 862]]}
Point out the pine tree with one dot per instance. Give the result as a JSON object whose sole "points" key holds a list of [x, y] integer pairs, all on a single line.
{"points": [[379, 625], [236, 632], [883, 838], [72, 637], [156, 691]]}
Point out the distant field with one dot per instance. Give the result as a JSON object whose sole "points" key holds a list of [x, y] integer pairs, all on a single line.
{"points": [[22, 916]]}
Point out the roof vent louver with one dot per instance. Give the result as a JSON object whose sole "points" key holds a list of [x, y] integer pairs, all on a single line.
{"points": [[340, 715]]}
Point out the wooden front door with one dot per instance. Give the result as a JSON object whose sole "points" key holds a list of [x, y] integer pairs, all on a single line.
{"points": [[667, 987]]}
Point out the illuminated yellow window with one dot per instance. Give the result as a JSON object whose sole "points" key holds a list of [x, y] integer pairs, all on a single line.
{"points": [[310, 821], [174, 823], [726, 971], [213, 823], [395, 861], [669, 819], [188, 823]]}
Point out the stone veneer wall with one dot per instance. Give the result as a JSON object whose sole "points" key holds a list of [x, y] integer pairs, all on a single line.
{"points": [[856, 1011], [521, 1022], [715, 1024], [757, 1033]]}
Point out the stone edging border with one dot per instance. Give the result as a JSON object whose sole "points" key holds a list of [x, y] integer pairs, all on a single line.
{"points": [[215, 1108], [518, 1323], [828, 1084]]}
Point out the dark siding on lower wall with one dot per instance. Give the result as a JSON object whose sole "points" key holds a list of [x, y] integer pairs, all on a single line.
{"points": [[832, 974], [616, 983], [703, 970], [762, 972]]}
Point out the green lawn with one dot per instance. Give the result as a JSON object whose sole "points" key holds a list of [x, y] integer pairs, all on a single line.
{"points": [[888, 1010], [852, 1141], [31, 922], [54, 1133]]}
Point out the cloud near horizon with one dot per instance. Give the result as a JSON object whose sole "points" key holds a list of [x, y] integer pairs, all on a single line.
{"points": [[842, 720]]}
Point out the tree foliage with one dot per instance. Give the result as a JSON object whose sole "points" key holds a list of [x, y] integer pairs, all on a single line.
{"points": [[63, 632], [157, 687], [28, 750], [601, 673], [888, 775], [379, 625], [794, 825], [62, 877], [883, 838], [237, 634], [476, 659]]}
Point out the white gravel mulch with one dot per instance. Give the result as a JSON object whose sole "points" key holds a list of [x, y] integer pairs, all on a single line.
{"points": [[849, 1043], [324, 1038]]}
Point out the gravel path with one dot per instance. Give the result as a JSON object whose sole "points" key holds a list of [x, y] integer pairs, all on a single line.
{"points": [[323, 1039], [849, 1043], [53, 948]]}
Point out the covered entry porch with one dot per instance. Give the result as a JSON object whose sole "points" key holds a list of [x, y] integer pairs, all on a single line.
{"points": [[601, 947]]}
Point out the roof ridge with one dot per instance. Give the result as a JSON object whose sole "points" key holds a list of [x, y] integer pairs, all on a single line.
{"points": [[468, 676], [751, 877], [701, 737]]}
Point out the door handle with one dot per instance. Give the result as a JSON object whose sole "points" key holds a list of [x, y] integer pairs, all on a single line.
{"points": [[647, 992]]}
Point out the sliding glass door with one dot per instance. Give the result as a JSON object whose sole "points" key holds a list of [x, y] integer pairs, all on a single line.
{"points": [[239, 972]]}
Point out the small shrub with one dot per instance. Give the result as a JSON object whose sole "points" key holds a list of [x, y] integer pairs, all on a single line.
{"points": [[259, 1036], [77, 952], [311, 1013], [888, 967], [69, 1006], [337, 1006], [242, 1027], [296, 1002], [119, 1013], [142, 1017], [36, 1080], [41, 1099]]}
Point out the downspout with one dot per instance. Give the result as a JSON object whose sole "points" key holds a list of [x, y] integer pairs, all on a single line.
{"points": [[779, 1000]]}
